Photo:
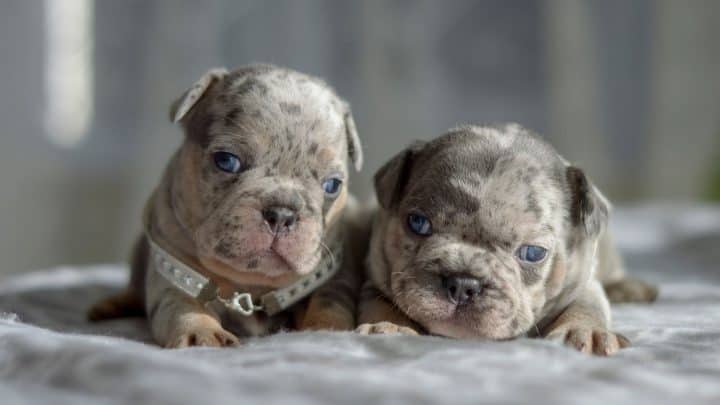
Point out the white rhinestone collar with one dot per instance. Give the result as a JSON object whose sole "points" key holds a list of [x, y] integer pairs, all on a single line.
{"points": [[200, 287]]}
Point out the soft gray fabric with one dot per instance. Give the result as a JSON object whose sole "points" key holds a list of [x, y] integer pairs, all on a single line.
{"points": [[49, 354]]}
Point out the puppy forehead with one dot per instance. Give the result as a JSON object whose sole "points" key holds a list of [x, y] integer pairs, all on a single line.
{"points": [[288, 121], [274, 99], [488, 173]]}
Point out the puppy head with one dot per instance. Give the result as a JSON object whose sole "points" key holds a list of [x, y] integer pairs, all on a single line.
{"points": [[483, 231], [263, 170]]}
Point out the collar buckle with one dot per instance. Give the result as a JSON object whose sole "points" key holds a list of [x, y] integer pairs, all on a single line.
{"points": [[241, 302]]}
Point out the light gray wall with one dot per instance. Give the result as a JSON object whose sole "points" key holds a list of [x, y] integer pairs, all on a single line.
{"points": [[629, 90]]}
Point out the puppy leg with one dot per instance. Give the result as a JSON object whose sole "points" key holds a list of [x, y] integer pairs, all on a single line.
{"points": [[585, 324], [379, 316], [129, 302], [332, 307], [611, 273], [177, 321]]}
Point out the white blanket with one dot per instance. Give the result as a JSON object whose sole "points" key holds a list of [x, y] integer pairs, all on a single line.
{"points": [[50, 355]]}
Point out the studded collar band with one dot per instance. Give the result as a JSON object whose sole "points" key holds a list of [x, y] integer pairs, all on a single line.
{"points": [[202, 288]]}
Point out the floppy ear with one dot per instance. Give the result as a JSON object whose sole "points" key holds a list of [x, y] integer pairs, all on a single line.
{"points": [[182, 106], [391, 179], [588, 207], [353, 140]]}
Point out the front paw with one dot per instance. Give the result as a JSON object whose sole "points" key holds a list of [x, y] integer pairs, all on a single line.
{"points": [[589, 339], [385, 328], [207, 336]]}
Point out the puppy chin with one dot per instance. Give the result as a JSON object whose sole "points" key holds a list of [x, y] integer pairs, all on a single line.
{"points": [[443, 318], [464, 326], [462, 330], [270, 264]]}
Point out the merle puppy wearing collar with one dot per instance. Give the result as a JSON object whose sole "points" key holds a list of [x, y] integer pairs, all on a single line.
{"points": [[251, 204], [487, 232]]}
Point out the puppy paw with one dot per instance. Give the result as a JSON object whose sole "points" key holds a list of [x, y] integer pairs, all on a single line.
{"points": [[384, 328], [589, 340], [207, 337], [631, 290]]}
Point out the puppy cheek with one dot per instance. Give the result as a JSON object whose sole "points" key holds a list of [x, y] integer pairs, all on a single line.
{"points": [[413, 292], [523, 319], [556, 277], [398, 245], [239, 233], [333, 214]]}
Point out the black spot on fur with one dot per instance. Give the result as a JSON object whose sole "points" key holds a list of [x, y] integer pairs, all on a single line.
{"points": [[253, 264], [533, 206], [290, 108], [313, 148], [232, 117], [197, 125], [225, 249], [314, 125], [289, 137], [252, 85], [489, 164], [488, 244]]}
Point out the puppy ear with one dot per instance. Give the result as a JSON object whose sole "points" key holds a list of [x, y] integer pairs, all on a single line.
{"points": [[588, 207], [353, 140], [391, 179], [180, 107]]}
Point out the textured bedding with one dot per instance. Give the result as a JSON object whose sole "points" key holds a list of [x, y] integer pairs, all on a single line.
{"points": [[50, 355]]}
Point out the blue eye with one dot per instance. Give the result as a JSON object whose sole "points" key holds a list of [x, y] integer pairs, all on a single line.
{"points": [[531, 253], [419, 224], [227, 162], [332, 186]]}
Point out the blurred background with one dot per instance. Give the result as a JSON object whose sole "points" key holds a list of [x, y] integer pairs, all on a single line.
{"points": [[629, 90]]}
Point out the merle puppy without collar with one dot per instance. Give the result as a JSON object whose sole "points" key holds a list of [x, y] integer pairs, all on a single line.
{"points": [[252, 202], [487, 232]]}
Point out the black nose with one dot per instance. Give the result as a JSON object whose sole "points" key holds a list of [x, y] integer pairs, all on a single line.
{"points": [[461, 289], [280, 219]]}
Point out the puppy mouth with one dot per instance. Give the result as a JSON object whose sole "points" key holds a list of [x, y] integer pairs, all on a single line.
{"points": [[273, 251]]}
